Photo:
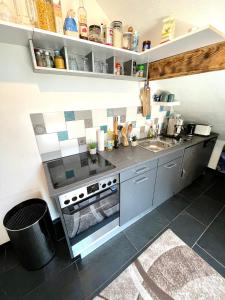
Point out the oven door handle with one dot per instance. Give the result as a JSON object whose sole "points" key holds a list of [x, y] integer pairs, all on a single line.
{"points": [[71, 212]]}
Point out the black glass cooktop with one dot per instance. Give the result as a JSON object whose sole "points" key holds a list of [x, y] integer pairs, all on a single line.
{"points": [[70, 169]]}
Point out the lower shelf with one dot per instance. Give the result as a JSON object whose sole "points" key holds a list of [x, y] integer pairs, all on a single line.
{"points": [[44, 70]]}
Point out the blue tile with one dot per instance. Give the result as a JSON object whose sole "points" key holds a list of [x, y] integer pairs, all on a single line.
{"points": [[62, 135], [148, 117], [69, 174], [104, 127], [168, 113], [161, 108], [69, 115]]}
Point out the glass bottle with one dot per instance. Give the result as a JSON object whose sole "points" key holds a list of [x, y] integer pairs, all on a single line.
{"points": [[48, 59], [26, 12], [82, 19], [6, 13], [58, 60], [117, 34], [45, 15]]}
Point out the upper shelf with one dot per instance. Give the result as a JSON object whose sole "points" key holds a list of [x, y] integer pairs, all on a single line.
{"points": [[19, 35]]}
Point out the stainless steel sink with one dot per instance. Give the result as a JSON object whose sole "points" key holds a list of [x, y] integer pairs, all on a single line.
{"points": [[157, 145]]}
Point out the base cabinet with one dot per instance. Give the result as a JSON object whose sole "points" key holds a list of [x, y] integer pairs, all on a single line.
{"points": [[196, 158], [136, 195], [167, 181]]}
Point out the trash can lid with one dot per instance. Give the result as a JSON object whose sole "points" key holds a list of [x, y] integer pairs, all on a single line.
{"points": [[25, 214]]}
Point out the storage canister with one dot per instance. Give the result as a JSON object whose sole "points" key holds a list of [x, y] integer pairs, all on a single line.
{"points": [[94, 33], [127, 40], [45, 15], [117, 34]]}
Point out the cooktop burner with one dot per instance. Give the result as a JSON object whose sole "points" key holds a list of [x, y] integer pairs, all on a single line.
{"points": [[70, 169]]}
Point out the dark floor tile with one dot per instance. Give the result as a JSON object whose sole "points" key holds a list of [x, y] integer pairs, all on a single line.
{"points": [[192, 192], [217, 191], [66, 285], [205, 209], [207, 179], [210, 260], [144, 230], [213, 240], [8, 259], [172, 207], [99, 266], [187, 228]]}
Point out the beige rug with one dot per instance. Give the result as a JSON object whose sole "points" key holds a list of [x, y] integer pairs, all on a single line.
{"points": [[168, 269]]}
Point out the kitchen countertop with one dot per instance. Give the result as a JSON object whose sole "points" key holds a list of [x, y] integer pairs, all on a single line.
{"points": [[124, 158]]}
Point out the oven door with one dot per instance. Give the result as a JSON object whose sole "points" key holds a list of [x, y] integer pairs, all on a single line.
{"points": [[91, 214]]}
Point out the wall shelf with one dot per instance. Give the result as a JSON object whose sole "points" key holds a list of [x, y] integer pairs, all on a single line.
{"points": [[168, 104]]}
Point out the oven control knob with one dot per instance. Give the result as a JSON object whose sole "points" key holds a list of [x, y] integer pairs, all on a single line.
{"points": [[114, 180], [104, 185], [81, 196], [66, 202], [109, 183], [74, 198]]}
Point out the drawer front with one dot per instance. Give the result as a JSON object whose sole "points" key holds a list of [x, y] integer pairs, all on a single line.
{"points": [[167, 181], [138, 170], [136, 196], [171, 156]]}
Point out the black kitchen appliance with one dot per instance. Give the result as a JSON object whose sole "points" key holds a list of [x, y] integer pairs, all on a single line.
{"points": [[190, 129]]}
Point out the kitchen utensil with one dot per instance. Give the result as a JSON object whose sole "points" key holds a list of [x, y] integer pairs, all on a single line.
{"points": [[124, 135], [115, 126], [145, 99], [175, 125], [203, 129], [129, 130], [190, 129]]}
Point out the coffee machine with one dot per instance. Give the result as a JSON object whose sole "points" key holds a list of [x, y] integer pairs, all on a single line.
{"points": [[175, 125]]}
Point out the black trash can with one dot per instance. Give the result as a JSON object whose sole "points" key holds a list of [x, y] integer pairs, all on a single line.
{"points": [[30, 230]]}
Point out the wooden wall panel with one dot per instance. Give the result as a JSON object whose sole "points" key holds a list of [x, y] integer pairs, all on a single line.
{"points": [[206, 59]]}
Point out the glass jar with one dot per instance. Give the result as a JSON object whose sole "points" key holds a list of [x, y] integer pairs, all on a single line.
{"points": [[127, 40], [58, 60], [94, 33], [117, 34], [26, 12], [45, 15]]}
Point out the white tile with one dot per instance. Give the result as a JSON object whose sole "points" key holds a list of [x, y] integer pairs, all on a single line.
{"points": [[83, 148], [91, 135], [47, 142], [140, 120], [99, 117], [110, 123], [131, 113], [76, 129], [136, 131], [54, 122], [69, 147]]}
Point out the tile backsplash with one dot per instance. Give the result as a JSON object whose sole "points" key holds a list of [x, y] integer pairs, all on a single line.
{"points": [[65, 133]]}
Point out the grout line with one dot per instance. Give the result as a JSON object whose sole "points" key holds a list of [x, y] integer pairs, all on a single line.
{"points": [[210, 256], [195, 219], [209, 225]]}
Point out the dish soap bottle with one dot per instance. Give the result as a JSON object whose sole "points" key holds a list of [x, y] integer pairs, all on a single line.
{"points": [[82, 18]]}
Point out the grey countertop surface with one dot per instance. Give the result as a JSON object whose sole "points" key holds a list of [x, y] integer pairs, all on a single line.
{"points": [[123, 158]]}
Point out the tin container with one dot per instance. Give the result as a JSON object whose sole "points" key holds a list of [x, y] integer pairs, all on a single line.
{"points": [[108, 35]]}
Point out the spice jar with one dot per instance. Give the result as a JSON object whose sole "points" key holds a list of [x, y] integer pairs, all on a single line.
{"points": [[38, 57], [108, 35], [127, 40], [58, 60], [45, 15], [94, 33], [117, 34], [118, 69]]}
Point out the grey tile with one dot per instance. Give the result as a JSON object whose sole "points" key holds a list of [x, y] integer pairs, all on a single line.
{"points": [[88, 123], [187, 228], [50, 155], [206, 180], [110, 112], [144, 230], [213, 240], [82, 140], [38, 123], [83, 114], [172, 207], [192, 192], [217, 191], [133, 124], [122, 118], [204, 209], [210, 260], [67, 285], [100, 266], [120, 111], [82, 148]]}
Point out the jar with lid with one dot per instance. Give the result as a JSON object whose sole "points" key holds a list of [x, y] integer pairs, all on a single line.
{"points": [[45, 15], [127, 40], [94, 33], [118, 69], [117, 34], [58, 60], [48, 59], [108, 35]]}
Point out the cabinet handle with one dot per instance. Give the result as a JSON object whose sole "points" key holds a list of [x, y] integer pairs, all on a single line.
{"points": [[138, 181], [170, 166], [141, 170]]}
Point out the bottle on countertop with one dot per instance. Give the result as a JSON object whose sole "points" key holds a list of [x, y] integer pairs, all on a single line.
{"points": [[82, 18]]}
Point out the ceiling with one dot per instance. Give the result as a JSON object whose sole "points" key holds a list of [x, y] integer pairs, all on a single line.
{"points": [[146, 15]]}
